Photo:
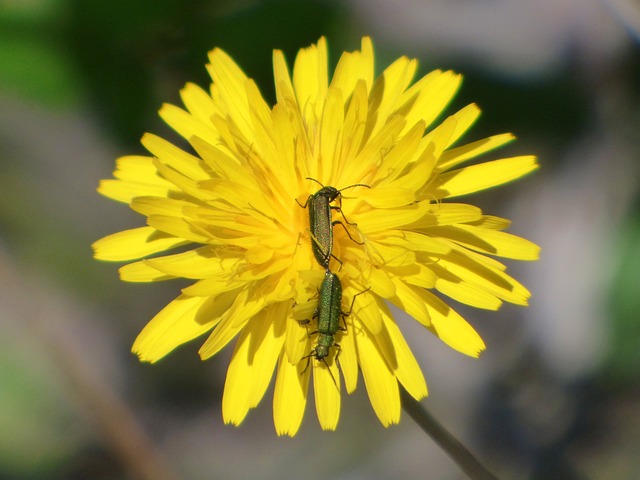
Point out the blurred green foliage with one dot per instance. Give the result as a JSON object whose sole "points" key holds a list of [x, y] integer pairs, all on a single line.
{"points": [[126, 58], [135, 55], [38, 433], [33, 63], [622, 367]]}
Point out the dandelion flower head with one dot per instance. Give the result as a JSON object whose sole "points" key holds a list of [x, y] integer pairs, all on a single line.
{"points": [[225, 212]]}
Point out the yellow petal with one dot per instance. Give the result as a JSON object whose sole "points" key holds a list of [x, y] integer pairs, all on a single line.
{"points": [[354, 124], [202, 262], [492, 222], [137, 176], [168, 154], [289, 397], [490, 262], [482, 176], [237, 389], [456, 156], [286, 161], [400, 358], [381, 284], [492, 242], [388, 89], [176, 227], [419, 172], [230, 81], [182, 182], [126, 191], [348, 359], [368, 312], [393, 218], [180, 321], [447, 214], [361, 169], [464, 118], [415, 241], [298, 341], [222, 163], [282, 79], [388, 197], [486, 277], [326, 387], [330, 135], [187, 125], [403, 153], [141, 272], [252, 363], [467, 293], [134, 243], [381, 383], [390, 256], [310, 79], [199, 103], [258, 255], [244, 307], [416, 274], [451, 328], [426, 99], [259, 272], [267, 351], [212, 286], [137, 168], [354, 67], [153, 205], [262, 128], [410, 300], [441, 136], [231, 307]]}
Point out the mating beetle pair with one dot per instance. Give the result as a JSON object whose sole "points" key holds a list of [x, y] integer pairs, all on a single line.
{"points": [[329, 309]]}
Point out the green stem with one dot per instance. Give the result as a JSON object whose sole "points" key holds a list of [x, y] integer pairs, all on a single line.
{"points": [[452, 447]]}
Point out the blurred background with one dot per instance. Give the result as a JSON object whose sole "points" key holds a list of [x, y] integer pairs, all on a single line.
{"points": [[555, 396]]}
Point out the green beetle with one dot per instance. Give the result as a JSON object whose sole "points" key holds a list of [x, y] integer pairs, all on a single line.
{"points": [[328, 312], [321, 222]]}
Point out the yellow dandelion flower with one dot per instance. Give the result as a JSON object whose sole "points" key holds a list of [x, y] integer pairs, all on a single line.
{"points": [[232, 203]]}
